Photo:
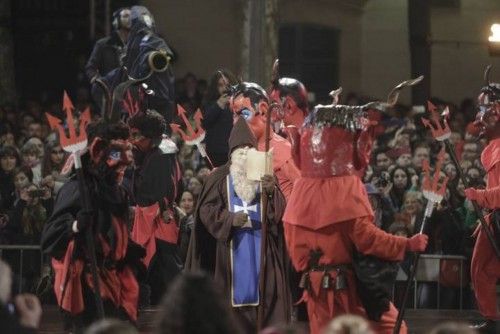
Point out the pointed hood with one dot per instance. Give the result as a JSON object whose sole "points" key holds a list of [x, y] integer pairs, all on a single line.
{"points": [[241, 135]]}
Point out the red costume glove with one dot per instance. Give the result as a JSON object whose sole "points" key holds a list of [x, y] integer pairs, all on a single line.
{"points": [[471, 194], [417, 243]]}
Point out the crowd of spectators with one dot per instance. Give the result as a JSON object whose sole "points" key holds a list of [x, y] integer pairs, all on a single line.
{"points": [[31, 161]]}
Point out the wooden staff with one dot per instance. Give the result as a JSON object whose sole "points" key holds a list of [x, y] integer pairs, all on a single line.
{"points": [[263, 244]]}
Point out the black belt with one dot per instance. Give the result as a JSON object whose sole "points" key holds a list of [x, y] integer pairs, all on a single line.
{"points": [[339, 282]]}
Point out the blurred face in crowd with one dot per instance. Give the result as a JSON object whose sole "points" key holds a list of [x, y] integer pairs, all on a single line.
{"points": [[203, 173], [187, 175], [473, 173], [7, 139], [404, 160], [38, 144], [125, 22], [447, 159], [455, 137], [27, 120], [194, 186], [30, 159], [57, 155], [420, 154], [465, 164], [470, 151], [187, 202], [460, 188], [450, 171], [21, 181], [8, 163], [191, 85], [383, 161], [411, 205], [35, 130], [400, 179], [374, 201], [368, 174], [221, 86], [186, 151]]}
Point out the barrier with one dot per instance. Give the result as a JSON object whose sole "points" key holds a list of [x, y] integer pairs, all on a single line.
{"points": [[429, 270], [22, 249]]}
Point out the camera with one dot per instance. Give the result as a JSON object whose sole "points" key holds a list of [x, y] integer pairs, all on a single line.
{"points": [[383, 180]]}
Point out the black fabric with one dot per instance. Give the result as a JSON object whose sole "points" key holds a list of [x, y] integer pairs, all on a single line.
{"points": [[105, 56], [141, 42], [375, 279], [217, 123], [163, 269], [153, 177]]}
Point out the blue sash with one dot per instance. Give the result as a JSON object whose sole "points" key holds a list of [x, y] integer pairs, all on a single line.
{"points": [[245, 250]]}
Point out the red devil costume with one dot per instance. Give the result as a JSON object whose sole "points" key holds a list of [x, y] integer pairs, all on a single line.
{"points": [[63, 237], [485, 266], [156, 180], [328, 217]]}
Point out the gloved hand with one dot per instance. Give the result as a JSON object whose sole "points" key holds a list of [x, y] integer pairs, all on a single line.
{"points": [[268, 184], [84, 219], [471, 194], [417, 243], [240, 219]]}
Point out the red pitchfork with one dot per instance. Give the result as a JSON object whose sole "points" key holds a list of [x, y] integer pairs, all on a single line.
{"points": [[441, 132], [192, 137], [76, 144], [434, 195]]}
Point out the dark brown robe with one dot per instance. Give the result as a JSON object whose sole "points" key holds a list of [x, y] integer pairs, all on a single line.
{"points": [[209, 250]]}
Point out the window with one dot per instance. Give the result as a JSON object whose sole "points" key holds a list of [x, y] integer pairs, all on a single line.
{"points": [[310, 53]]}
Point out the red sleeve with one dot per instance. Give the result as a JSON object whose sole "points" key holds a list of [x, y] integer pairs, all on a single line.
{"points": [[371, 240], [490, 198], [297, 246]]}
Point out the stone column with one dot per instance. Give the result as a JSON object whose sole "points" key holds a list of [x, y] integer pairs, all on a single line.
{"points": [[7, 74], [419, 20], [259, 40]]}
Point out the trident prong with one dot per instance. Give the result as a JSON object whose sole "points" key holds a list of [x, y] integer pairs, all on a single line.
{"points": [[190, 136], [430, 185], [74, 142], [439, 132]]}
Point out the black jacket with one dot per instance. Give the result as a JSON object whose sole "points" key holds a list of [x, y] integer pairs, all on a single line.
{"points": [[218, 124], [105, 57]]}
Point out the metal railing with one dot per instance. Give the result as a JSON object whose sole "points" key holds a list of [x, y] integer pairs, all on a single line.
{"points": [[22, 249], [429, 270]]}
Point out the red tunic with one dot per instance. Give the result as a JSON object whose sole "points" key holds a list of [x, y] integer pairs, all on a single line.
{"points": [[485, 266], [337, 242]]}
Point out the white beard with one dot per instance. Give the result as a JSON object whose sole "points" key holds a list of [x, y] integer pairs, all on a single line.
{"points": [[245, 189]]}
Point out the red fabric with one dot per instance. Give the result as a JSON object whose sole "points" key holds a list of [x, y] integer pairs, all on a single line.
{"points": [[339, 198], [149, 225], [485, 266], [118, 286], [337, 242], [67, 282], [283, 166]]}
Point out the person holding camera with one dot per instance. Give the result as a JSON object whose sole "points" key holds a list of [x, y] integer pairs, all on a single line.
{"points": [[21, 314], [217, 117]]}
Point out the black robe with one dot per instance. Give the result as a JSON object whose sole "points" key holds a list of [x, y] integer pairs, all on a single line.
{"points": [[156, 180], [107, 201], [209, 250]]}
